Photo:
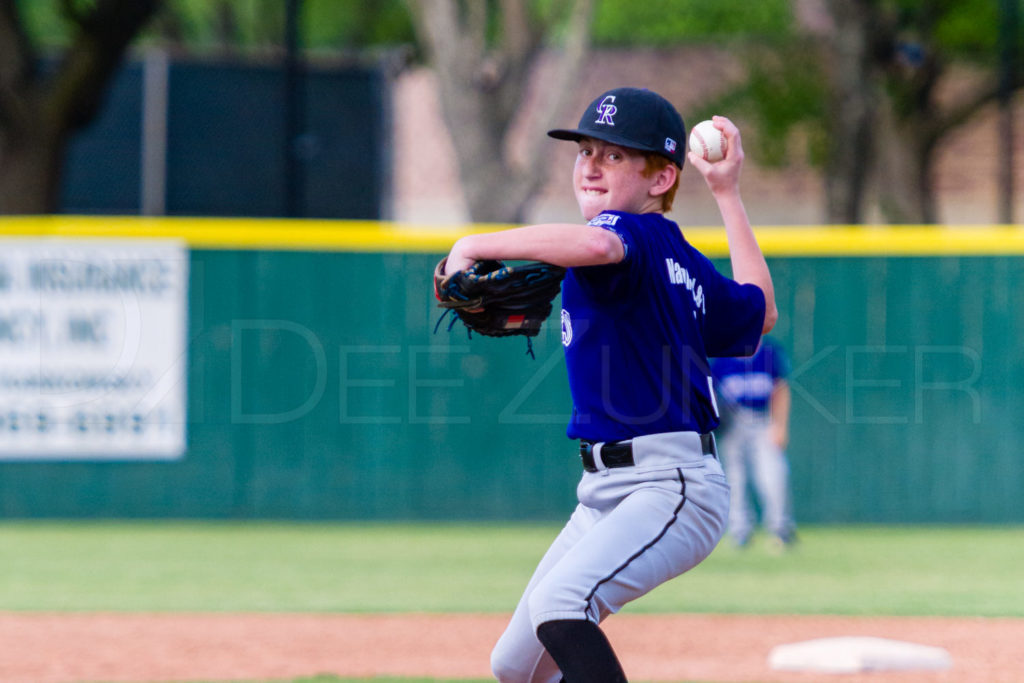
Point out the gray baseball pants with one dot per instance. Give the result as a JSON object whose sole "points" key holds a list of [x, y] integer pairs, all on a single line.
{"points": [[633, 529]]}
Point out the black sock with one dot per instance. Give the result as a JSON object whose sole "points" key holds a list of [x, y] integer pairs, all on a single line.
{"points": [[581, 650]]}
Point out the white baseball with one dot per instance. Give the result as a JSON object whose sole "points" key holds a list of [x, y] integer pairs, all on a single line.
{"points": [[708, 142]]}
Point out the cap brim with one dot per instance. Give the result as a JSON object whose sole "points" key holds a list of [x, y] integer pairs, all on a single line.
{"points": [[576, 134], [564, 134]]}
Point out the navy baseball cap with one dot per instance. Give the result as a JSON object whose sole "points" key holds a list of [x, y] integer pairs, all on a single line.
{"points": [[635, 118]]}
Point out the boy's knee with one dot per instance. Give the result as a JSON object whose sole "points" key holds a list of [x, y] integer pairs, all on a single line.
{"points": [[507, 672], [503, 672], [506, 665]]}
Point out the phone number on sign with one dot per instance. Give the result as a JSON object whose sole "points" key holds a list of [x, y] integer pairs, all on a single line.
{"points": [[37, 422]]}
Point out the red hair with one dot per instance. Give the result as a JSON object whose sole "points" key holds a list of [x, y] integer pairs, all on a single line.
{"points": [[654, 163]]}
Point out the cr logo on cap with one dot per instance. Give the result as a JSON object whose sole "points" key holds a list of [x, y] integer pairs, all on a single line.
{"points": [[606, 110]]}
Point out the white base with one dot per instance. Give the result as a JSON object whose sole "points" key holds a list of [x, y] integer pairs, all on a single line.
{"points": [[857, 654]]}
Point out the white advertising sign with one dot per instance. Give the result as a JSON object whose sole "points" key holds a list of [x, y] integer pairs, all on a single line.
{"points": [[92, 349]]}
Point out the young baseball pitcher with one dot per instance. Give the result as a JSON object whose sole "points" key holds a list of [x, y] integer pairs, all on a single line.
{"points": [[642, 312]]}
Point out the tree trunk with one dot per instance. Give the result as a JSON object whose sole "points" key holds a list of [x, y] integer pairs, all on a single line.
{"points": [[38, 112], [852, 112], [30, 170], [903, 170], [483, 88]]}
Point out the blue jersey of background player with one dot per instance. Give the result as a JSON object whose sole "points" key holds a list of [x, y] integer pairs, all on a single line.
{"points": [[642, 310], [748, 382], [755, 402]]}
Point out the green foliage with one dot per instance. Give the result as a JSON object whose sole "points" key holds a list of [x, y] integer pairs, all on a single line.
{"points": [[45, 23], [967, 28], [251, 22], [960, 29], [357, 23], [792, 96], [348, 24], [248, 24], [671, 22], [964, 28], [784, 90], [326, 24], [970, 27]]}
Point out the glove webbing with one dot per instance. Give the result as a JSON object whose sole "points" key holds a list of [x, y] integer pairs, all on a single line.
{"points": [[469, 330]]}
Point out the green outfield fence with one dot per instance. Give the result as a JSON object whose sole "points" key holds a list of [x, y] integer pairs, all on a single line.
{"points": [[318, 389]]}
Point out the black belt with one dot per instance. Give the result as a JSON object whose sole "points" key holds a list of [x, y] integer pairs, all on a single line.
{"points": [[620, 453]]}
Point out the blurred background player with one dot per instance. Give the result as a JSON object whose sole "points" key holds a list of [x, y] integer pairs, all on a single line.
{"points": [[753, 436]]}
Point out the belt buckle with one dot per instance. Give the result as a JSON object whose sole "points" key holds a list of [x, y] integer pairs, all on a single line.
{"points": [[587, 456], [708, 445]]}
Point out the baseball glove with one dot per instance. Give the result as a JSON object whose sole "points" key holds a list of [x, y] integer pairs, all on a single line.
{"points": [[498, 300]]}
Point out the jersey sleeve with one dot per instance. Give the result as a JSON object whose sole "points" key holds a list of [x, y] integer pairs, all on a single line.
{"points": [[735, 317], [613, 278], [618, 224]]}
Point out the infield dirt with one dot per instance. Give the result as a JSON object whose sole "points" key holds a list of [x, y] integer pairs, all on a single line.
{"points": [[63, 648]]}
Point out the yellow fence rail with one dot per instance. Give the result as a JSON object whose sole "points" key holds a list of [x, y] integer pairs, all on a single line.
{"points": [[382, 236]]}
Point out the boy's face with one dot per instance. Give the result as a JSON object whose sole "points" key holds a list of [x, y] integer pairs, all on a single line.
{"points": [[609, 177]]}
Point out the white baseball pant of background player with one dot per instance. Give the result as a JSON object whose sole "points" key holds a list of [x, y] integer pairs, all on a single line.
{"points": [[634, 528], [746, 446]]}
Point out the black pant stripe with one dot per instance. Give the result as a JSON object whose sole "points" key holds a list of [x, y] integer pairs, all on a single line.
{"points": [[650, 544]]}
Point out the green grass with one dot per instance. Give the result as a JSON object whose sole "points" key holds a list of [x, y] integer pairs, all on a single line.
{"points": [[925, 571], [293, 567]]}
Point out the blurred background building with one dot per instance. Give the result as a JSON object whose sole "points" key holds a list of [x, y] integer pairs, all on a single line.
{"points": [[434, 111]]}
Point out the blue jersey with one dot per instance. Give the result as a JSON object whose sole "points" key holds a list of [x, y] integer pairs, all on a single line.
{"points": [[749, 382], [638, 333]]}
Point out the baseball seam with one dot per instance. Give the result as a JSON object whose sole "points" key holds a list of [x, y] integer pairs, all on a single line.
{"points": [[703, 145]]}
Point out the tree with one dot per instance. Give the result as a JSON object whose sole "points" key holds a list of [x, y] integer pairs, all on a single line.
{"points": [[918, 45], [881, 68], [483, 54], [41, 106]]}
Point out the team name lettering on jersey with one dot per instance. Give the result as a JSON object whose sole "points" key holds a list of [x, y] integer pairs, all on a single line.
{"points": [[604, 219], [755, 386], [678, 275]]}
